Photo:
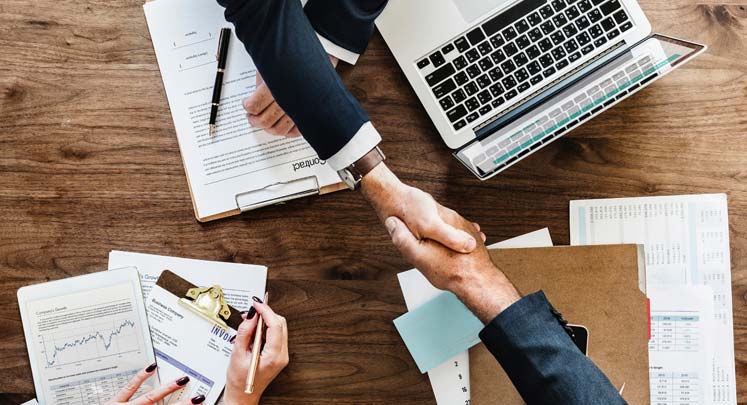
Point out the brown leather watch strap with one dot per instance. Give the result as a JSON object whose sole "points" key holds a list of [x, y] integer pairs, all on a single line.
{"points": [[370, 160]]}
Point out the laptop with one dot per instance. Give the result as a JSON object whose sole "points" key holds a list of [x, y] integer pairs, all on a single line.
{"points": [[501, 79]]}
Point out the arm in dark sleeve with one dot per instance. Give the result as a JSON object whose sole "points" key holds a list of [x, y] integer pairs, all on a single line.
{"points": [[347, 23], [297, 70], [540, 358]]}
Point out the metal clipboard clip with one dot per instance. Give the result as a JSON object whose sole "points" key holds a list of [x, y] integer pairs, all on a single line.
{"points": [[209, 303], [268, 195]]}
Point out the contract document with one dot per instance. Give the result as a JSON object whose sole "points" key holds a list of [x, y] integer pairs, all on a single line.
{"points": [[686, 239], [240, 167]]}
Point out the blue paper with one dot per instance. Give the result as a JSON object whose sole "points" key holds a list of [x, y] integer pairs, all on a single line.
{"points": [[438, 330]]}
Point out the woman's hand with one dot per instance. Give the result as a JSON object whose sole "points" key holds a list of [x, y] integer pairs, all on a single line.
{"points": [[124, 396], [272, 359]]}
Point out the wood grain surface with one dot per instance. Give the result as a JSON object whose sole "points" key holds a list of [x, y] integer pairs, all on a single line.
{"points": [[89, 162]]}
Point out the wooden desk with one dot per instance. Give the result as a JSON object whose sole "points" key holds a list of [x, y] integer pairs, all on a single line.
{"points": [[89, 163]]}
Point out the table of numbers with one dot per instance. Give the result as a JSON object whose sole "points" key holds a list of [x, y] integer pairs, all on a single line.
{"points": [[91, 391], [674, 388], [674, 333]]}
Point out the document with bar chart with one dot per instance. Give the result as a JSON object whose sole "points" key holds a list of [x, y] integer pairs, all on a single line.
{"points": [[84, 345]]}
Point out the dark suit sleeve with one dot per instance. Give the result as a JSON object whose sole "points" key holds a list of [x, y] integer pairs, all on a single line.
{"points": [[540, 358], [347, 23], [297, 70]]}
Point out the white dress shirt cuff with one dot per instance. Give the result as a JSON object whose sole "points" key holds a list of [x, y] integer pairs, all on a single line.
{"points": [[337, 51], [361, 143]]}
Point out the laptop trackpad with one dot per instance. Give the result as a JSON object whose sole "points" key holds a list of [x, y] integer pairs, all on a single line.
{"points": [[472, 9]]}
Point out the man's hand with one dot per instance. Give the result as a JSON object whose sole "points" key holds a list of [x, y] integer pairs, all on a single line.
{"points": [[473, 277], [263, 112], [426, 218]]}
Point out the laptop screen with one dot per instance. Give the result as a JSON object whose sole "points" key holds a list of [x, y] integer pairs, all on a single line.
{"points": [[621, 76]]}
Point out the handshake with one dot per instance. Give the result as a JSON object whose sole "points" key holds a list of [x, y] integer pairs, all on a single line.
{"points": [[448, 249]]}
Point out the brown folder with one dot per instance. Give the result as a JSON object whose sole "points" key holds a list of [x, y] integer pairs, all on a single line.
{"points": [[593, 286]]}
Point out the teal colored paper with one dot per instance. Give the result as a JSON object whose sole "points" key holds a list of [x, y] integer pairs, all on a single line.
{"points": [[438, 330]]}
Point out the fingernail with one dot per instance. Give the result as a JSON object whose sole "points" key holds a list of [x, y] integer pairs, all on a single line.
{"points": [[471, 244], [198, 399], [250, 313], [232, 339], [182, 381], [150, 368], [256, 300], [391, 225]]}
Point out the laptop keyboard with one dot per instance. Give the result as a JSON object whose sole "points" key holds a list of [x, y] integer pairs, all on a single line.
{"points": [[513, 52]]}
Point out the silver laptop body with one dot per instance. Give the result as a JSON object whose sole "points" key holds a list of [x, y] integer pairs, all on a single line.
{"points": [[500, 79]]}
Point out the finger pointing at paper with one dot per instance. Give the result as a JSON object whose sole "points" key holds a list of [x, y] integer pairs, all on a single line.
{"points": [[125, 394]]}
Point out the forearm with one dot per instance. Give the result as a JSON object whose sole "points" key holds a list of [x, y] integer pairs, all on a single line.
{"points": [[381, 188], [487, 292]]}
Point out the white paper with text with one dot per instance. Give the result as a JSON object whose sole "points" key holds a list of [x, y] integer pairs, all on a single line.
{"points": [[240, 282], [686, 239], [186, 344], [680, 351], [239, 158]]}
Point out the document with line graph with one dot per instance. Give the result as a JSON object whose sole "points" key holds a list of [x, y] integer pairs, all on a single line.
{"points": [[86, 336]]}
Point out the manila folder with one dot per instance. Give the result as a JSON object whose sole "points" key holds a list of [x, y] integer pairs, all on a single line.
{"points": [[593, 286]]}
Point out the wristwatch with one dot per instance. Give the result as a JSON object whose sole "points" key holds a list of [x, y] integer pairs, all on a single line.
{"points": [[353, 174]]}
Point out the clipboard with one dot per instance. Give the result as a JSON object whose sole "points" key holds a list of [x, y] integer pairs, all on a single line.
{"points": [[184, 345], [269, 194], [207, 302], [263, 197]]}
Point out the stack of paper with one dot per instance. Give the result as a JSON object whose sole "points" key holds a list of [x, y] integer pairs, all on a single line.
{"points": [[201, 353], [687, 245]]}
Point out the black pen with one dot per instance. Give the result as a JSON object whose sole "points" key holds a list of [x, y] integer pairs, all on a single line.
{"points": [[225, 36]]}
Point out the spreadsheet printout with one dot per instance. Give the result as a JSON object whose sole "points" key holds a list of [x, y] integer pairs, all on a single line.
{"points": [[686, 240], [680, 349]]}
